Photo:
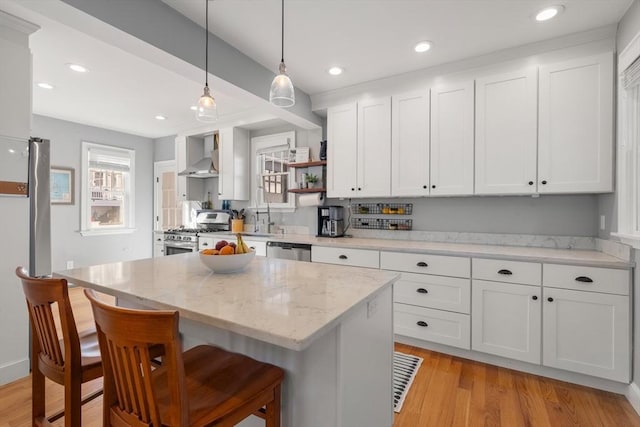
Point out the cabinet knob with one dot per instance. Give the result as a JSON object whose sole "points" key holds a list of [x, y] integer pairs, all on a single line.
{"points": [[584, 279], [158, 240], [422, 291], [433, 186], [359, 189], [422, 323], [424, 186], [205, 244], [535, 298], [422, 264], [505, 272], [343, 257], [353, 189], [530, 182], [544, 182], [550, 299]]}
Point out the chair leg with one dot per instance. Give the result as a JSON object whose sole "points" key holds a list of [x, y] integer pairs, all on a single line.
{"points": [[72, 403], [37, 395], [272, 418]]}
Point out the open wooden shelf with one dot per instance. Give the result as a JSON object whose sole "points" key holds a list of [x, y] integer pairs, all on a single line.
{"points": [[308, 190], [308, 164]]}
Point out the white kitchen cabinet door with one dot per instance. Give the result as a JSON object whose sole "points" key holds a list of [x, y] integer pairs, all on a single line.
{"points": [[374, 148], [181, 164], [575, 145], [505, 320], [342, 149], [506, 133], [158, 244], [452, 140], [234, 163], [410, 144], [587, 332]]}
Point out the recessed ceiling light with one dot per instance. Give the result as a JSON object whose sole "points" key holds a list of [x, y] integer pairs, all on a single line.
{"points": [[45, 85], [77, 68], [159, 117], [335, 71], [422, 46], [193, 108], [548, 13]]}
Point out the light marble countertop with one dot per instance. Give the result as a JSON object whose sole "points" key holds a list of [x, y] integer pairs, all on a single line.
{"points": [[516, 253], [286, 303]]}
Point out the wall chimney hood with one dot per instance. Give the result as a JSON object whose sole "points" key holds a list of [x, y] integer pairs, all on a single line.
{"points": [[203, 168]]}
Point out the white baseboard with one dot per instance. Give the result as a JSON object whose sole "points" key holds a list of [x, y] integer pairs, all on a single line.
{"points": [[14, 370], [633, 396]]}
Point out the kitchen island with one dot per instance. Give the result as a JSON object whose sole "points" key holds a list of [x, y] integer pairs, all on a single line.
{"points": [[330, 327]]}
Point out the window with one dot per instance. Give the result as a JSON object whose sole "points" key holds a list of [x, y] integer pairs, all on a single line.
{"points": [[629, 146], [273, 175], [107, 189]]}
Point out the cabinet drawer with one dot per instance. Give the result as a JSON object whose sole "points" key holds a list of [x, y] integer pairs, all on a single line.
{"points": [[496, 270], [425, 290], [594, 279], [443, 327], [344, 256], [425, 264]]}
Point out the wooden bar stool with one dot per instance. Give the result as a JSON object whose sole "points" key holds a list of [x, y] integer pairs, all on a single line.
{"points": [[70, 362], [203, 386]]}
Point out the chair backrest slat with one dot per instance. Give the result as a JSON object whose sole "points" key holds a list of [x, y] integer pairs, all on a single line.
{"points": [[125, 336]]}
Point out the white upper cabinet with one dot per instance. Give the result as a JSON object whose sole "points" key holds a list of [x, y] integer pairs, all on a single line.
{"points": [[410, 144], [234, 175], [342, 149], [181, 164], [506, 133], [452, 139], [359, 149], [575, 146], [374, 148]]}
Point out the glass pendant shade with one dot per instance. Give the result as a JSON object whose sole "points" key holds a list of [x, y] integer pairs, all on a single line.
{"points": [[282, 93], [207, 110]]}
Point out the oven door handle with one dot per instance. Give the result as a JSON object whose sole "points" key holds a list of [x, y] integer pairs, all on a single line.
{"points": [[178, 244]]}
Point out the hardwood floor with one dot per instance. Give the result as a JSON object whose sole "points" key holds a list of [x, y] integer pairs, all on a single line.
{"points": [[448, 391]]}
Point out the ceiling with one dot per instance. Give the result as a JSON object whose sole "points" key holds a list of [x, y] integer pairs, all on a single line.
{"points": [[371, 39]]}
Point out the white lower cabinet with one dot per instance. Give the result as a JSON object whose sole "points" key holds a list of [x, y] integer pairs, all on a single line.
{"points": [[427, 324], [587, 332], [506, 320], [158, 244], [346, 256], [432, 307]]}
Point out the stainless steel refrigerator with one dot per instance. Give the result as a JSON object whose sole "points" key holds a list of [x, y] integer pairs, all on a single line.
{"points": [[39, 208]]}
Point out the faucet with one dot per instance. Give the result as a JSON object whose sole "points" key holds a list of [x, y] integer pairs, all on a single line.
{"points": [[257, 219]]}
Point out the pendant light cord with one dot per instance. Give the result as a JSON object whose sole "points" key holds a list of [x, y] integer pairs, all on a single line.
{"points": [[282, 51], [206, 43]]}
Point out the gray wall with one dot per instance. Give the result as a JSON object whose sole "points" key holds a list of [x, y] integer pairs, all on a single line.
{"points": [[67, 243], [628, 26], [164, 148]]}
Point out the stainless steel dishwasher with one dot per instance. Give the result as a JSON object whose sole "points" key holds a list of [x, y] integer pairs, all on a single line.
{"points": [[286, 250]]}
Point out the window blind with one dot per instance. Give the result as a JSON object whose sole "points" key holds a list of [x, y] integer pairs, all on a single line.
{"points": [[107, 159], [631, 76]]}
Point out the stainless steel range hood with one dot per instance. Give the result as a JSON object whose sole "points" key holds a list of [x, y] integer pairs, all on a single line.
{"points": [[203, 168]]}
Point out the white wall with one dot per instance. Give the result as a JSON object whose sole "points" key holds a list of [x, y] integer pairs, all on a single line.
{"points": [[67, 244]]}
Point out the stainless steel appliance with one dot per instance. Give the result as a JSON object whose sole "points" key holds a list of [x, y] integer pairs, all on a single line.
{"points": [[39, 208], [185, 239], [331, 221], [286, 250], [190, 210]]}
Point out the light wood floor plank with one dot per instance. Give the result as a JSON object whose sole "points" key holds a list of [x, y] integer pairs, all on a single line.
{"points": [[447, 391]]}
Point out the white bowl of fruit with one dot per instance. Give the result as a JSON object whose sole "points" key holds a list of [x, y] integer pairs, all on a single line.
{"points": [[227, 257]]}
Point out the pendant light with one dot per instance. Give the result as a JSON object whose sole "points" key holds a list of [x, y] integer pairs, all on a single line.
{"points": [[282, 93], [207, 110]]}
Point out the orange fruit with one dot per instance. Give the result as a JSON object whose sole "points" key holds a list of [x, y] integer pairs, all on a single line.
{"points": [[208, 252], [227, 250]]}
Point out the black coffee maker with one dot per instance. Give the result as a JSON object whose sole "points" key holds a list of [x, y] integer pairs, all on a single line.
{"points": [[331, 221]]}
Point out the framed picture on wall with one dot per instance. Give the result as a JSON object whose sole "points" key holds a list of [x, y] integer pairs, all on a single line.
{"points": [[62, 181]]}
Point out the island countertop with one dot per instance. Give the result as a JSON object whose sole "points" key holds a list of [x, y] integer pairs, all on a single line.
{"points": [[282, 302]]}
